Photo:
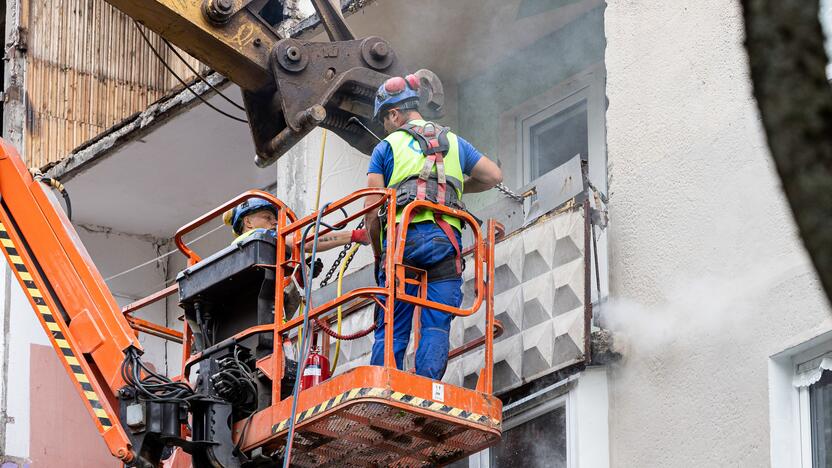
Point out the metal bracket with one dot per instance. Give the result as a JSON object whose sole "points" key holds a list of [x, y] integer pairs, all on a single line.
{"points": [[599, 218], [220, 11], [325, 84]]}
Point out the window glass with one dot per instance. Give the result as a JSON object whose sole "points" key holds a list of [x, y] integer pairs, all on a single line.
{"points": [[538, 443], [820, 407], [558, 139]]}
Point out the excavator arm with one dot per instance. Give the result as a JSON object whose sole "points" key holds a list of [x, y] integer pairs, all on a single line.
{"points": [[289, 85]]}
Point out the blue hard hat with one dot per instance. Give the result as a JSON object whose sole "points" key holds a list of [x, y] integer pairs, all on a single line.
{"points": [[397, 92], [234, 217]]}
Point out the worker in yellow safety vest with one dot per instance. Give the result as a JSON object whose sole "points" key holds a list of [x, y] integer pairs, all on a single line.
{"points": [[423, 161], [257, 215]]}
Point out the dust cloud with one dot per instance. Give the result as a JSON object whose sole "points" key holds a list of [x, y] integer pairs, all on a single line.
{"points": [[707, 305]]}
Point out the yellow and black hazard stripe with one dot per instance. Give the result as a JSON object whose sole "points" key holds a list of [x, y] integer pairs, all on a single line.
{"points": [[374, 392], [58, 337]]}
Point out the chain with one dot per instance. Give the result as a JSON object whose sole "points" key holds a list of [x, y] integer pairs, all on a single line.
{"points": [[508, 192], [341, 255]]}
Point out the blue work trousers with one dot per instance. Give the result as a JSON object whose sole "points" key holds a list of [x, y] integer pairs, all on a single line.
{"points": [[426, 246]]}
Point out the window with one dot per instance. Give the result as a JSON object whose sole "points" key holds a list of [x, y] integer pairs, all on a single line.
{"points": [[540, 442], [800, 402], [555, 136], [552, 127], [533, 438], [542, 429], [813, 379], [820, 417]]}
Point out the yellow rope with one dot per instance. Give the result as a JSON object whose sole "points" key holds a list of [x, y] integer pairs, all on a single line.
{"points": [[317, 205], [320, 169], [343, 268]]}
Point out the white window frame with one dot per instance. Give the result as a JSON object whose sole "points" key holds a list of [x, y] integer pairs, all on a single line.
{"points": [[527, 124], [805, 427], [587, 426], [804, 405], [515, 123], [789, 407]]}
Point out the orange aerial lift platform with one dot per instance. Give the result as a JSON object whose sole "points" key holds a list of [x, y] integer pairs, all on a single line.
{"points": [[239, 401], [233, 404]]}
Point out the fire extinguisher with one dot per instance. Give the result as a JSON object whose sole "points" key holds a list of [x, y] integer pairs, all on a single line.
{"points": [[315, 370]]}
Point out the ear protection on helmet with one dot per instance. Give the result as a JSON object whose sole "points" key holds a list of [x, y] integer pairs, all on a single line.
{"points": [[397, 92], [413, 81]]}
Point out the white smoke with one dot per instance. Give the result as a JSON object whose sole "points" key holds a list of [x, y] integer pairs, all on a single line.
{"points": [[707, 305]]}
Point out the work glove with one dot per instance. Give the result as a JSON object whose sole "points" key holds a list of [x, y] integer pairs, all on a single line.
{"points": [[317, 269], [360, 236]]}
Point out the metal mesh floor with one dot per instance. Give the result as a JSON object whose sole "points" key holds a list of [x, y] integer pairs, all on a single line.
{"points": [[369, 433]]}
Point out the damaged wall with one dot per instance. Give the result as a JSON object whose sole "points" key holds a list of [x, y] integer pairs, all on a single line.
{"points": [[87, 68], [709, 275]]}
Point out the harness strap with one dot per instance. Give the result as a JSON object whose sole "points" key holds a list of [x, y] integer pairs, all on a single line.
{"points": [[424, 175], [440, 174], [445, 269], [449, 232], [434, 144]]}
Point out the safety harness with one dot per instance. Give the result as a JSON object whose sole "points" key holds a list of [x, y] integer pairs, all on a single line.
{"points": [[433, 186]]}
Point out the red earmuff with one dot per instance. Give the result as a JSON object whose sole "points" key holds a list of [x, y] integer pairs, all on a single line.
{"points": [[413, 81], [394, 85]]}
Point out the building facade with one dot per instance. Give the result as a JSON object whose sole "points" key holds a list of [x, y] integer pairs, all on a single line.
{"points": [[658, 306]]}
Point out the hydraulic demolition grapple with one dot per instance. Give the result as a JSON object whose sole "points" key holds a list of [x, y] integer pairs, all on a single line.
{"points": [[289, 85]]}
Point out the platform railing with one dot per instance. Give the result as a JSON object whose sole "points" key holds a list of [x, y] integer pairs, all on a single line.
{"points": [[192, 256], [483, 264], [385, 297], [287, 236], [289, 246]]}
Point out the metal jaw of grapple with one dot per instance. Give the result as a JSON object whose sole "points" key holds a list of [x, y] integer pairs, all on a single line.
{"points": [[325, 84]]}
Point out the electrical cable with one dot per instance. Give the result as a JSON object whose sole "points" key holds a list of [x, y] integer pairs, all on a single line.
{"points": [[153, 386], [163, 256], [54, 183], [198, 96], [317, 199], [307, 286], [196, 73]]}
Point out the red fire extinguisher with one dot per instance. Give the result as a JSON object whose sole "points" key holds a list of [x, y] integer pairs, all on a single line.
{"points": [[315, 370]]}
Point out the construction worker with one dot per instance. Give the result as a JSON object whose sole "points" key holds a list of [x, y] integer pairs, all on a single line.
{"points": [[258, 215], [422, 160]]}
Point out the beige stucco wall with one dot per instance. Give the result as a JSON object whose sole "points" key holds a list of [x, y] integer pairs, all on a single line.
{"points": [[708, 276]]}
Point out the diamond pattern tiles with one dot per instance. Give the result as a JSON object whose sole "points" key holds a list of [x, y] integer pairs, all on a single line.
{"points": [[539, 290]]}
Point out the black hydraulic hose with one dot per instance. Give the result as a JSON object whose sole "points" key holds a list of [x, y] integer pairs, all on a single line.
{"points": [[54, 183]]}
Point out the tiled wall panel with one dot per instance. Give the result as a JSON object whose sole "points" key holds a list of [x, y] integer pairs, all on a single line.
{"points": [[539, 298]]}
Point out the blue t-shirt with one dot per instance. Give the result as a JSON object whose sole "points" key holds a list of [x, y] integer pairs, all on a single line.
{"points": [[381, 161]]}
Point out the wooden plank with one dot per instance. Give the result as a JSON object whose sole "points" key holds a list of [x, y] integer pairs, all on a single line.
{"points": [[87, 69]]}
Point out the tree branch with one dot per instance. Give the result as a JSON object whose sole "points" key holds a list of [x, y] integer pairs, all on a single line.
{"points": [[784, 40]]}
